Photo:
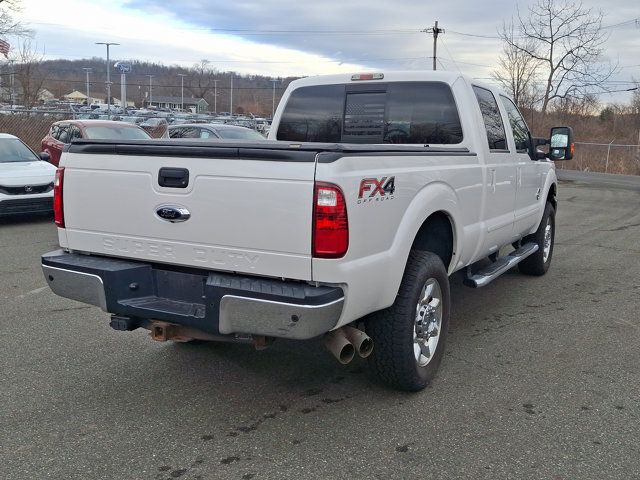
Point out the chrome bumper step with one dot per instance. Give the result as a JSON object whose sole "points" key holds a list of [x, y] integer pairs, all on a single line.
{"points": [[502, 264]]}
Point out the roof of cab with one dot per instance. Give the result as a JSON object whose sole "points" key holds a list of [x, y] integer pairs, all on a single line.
{"points": [[392, 76]]}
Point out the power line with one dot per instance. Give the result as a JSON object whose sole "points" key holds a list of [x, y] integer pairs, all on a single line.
{"points": [[450, 56], [626, 22], [250, 31], [475, 35]]}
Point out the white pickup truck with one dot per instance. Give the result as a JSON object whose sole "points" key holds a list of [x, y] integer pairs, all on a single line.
{"points": [[375, 189]]}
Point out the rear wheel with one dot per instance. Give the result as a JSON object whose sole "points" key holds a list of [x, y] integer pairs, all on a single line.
{"points": [[409, 336], [538, 263]]}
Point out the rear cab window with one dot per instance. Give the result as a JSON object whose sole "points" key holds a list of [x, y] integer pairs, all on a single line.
{"points": [[379, 113]]}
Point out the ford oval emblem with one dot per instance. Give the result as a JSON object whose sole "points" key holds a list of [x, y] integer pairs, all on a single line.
{"points": [[173, 213]]}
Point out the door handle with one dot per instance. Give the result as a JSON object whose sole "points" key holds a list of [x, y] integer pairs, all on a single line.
{"points": [[493, 180], [519, 176], [173, 177]]}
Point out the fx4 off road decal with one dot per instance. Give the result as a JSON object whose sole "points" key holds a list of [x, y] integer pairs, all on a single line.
{"points": [[376, 190]]}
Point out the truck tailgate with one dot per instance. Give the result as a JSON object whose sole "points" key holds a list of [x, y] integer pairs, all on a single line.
{"points": [[250, 208]]}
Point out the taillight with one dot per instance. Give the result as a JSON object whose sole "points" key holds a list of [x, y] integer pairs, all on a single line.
{"points": [[330, 225], [58, 209]]}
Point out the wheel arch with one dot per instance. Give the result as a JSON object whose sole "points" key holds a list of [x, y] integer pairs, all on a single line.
{"points": [[551, 196], [437, 235]]}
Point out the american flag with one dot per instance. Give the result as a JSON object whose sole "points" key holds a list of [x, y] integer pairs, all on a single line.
{"points": [[4, 48]]}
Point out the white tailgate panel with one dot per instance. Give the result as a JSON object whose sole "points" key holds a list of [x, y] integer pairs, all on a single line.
{"points": [[248, 216]]}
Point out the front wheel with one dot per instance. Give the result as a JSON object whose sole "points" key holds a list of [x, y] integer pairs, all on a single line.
{"points": [[409, 336], [538, 263]]}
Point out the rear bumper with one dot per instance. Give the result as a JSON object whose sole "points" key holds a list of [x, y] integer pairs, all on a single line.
{"points": [[217, 303]]}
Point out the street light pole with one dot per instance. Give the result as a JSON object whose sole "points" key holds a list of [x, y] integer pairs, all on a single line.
{"points": [[12, 83], [231, 99], [182, 75], [87, 70], [150, 89], [108, 44], [273, 98], [215, 96]]}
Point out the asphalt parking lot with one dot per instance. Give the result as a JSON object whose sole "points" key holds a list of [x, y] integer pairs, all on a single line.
{"points": [[540, 380]]}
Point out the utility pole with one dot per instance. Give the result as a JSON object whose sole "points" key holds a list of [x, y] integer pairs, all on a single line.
{"points": [[231, 100], [182, 75], [108, 44], [435, 31], [273, 98], [87, 70], [215, 96], [150, 89], [12, 84]]}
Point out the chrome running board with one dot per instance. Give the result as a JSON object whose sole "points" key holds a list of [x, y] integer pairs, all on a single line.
{"points": [[502, 264]]}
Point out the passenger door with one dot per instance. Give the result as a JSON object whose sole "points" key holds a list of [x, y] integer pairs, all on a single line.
{"points": [[528, 172], [500, 175]]}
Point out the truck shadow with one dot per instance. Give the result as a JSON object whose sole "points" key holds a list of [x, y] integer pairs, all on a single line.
{"points": [[25, 219], [299, 366], [218, 390]]}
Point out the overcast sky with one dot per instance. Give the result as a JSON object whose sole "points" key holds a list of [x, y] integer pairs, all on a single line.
{"points": [[285, 37]]}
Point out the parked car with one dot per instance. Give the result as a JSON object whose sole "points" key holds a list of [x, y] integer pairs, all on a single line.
{"points": [[26, 182], [63, 132], [213, 131]]}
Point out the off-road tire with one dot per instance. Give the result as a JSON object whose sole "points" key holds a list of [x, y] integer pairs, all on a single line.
{"points": [[392, 330], [535, 264]]}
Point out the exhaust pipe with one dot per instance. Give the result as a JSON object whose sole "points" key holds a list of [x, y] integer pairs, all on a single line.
{"points": [[339, 346], [360, 341]]}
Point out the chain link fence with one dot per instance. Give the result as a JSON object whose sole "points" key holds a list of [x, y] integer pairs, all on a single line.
{"points": [[32, 126], [605, 158]]}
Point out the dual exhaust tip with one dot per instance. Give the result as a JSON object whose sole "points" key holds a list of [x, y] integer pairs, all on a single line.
{"points": [[345, 342]]}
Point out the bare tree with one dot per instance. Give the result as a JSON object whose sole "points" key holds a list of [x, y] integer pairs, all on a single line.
{"points": [[201, 79], [587, 105], [568, 40], [27, 70], [517, 71], [8, 24]]}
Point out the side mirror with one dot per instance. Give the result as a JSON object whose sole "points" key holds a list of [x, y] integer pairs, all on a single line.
{"points": [[44, 156], [561, 146]]}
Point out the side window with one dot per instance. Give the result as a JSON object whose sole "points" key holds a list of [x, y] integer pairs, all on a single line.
{"points": [[190, 132], [55, 131], [205, 133], [63, 133], [518, 126], [492, 119], [175, 133], [74, 132], [185, 132]]}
